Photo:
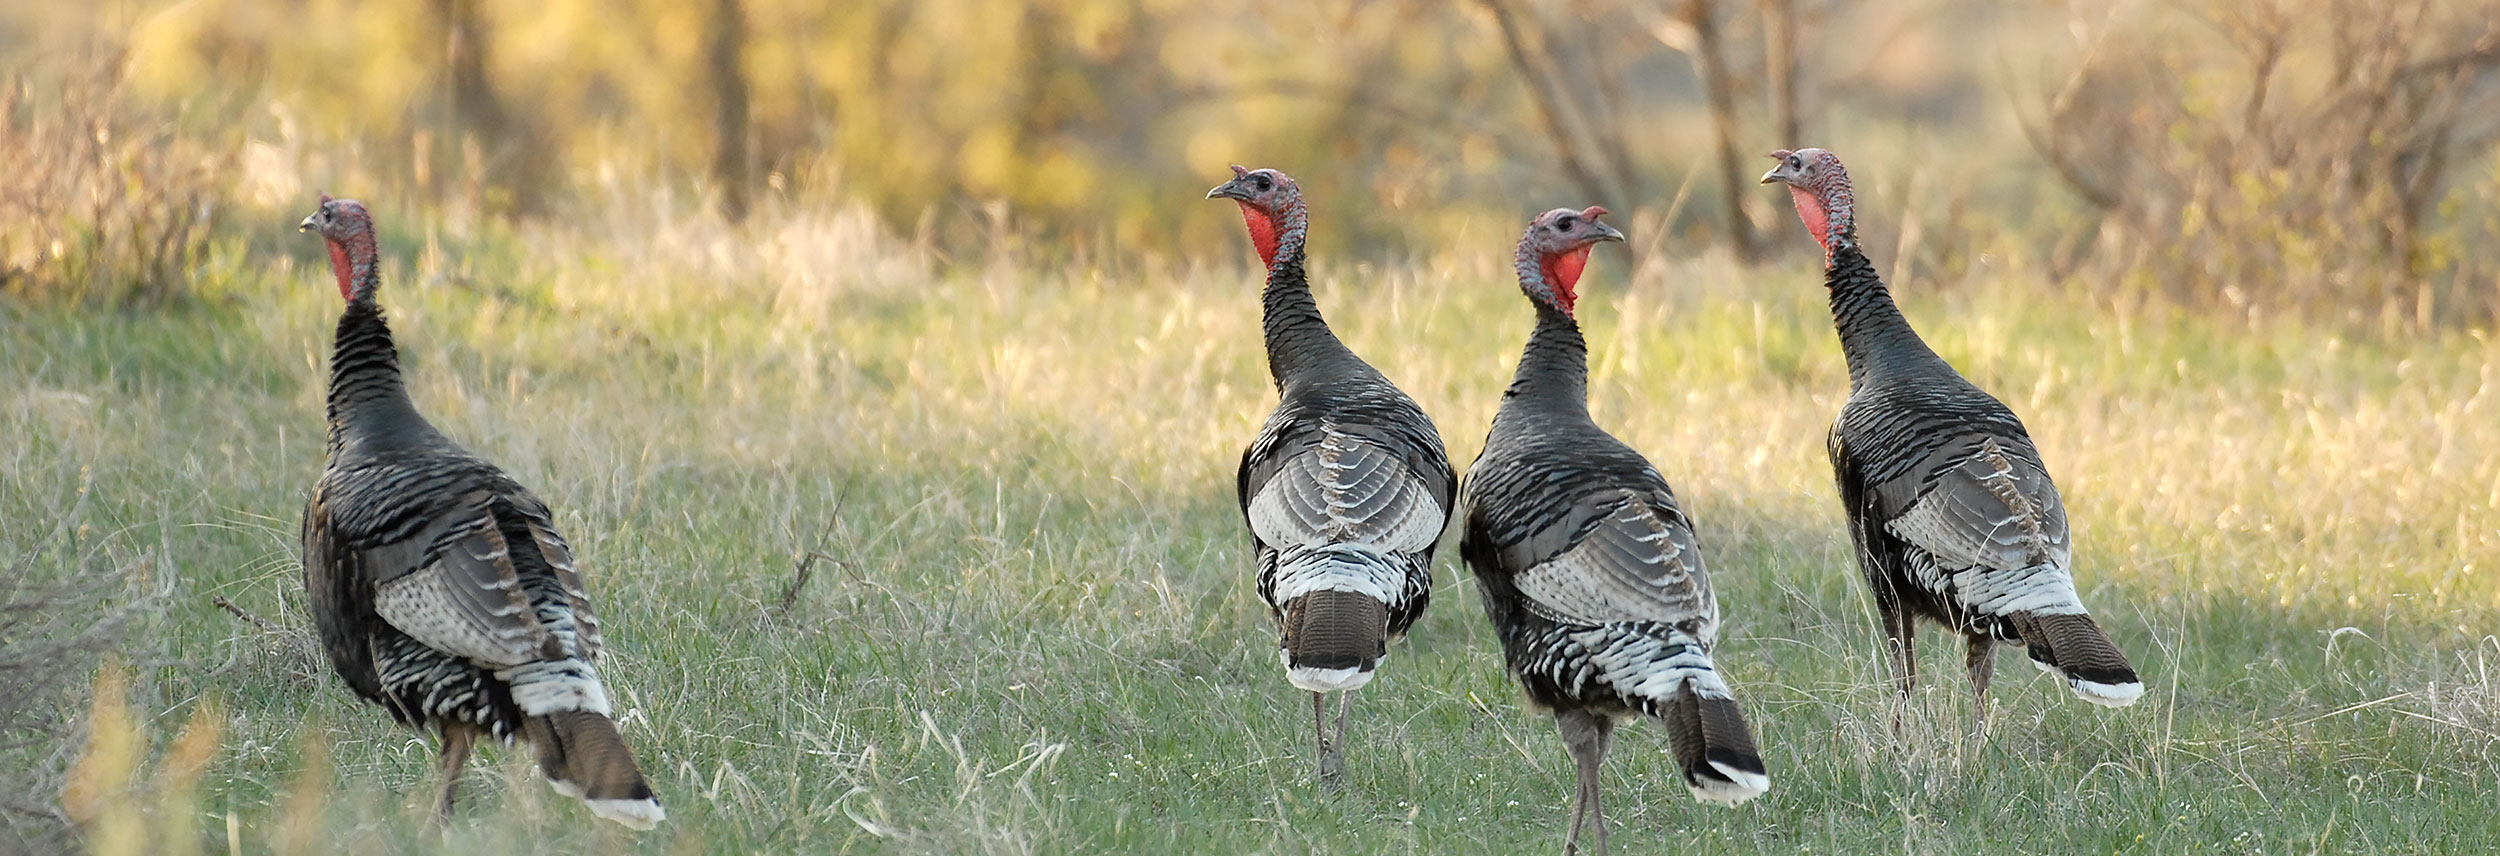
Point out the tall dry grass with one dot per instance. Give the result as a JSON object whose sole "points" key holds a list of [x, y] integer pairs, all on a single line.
{"points": [[1027, 628], [66, 601]]}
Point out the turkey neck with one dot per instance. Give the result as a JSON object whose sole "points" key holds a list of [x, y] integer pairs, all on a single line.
{"points": [[1874, 336], [1298, 339], [368, 403], [1554, 369]]}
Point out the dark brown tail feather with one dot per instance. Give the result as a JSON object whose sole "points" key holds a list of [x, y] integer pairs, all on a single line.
{"points": [[1715, 748], [2075, 648], [583, 756], [1333, 639]]}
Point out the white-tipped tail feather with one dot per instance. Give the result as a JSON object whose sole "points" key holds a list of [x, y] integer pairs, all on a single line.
{"points": [[637, 814], [631, 812], [1739, 786], [2109, 695], [582, 756], [1333, 638], [2105, 695], [1670, 676], [1327, 680]]}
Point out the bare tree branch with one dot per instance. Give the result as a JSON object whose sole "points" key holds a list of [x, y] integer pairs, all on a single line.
{"points": [[1719, 88], [2045, 143], [1547, 97]]}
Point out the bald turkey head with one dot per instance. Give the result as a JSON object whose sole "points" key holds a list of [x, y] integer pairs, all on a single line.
{"points": [[1819, 185], [1554, 252], [1270, 206], [348, 230]]}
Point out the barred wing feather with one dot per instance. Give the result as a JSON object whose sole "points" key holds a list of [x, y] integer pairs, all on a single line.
{"points": [[1346, 488], [1633, 559]]}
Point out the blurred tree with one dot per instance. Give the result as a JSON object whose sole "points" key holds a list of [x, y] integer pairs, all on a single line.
{"points": [[1554, 106], [724, 51], [1086, 126], [502, 156], [2221, 174], [1779, 65], [1719, 89]]}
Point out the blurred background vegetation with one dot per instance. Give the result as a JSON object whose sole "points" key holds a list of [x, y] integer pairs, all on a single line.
{"points": [[745, 221], [2327, 157]]}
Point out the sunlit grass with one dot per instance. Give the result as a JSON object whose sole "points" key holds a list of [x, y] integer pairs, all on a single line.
{"points": [[1031, 626]]}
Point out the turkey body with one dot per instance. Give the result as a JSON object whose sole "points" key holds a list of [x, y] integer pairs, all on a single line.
{"points": [[436, 580], [1953, 515], [1952, 512], [440, 588], [1346, 489], [1591, 575], [1589, 570]]}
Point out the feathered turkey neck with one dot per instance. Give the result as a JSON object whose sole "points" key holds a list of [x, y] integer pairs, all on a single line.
{"points": [[1555, 364], [368, 403], [1298, 339], [1874, 336]]}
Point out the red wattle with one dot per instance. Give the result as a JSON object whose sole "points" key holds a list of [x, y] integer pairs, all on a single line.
{"points": [[1262, 231], [1562, 272], [340, 267], [1810, 210]]}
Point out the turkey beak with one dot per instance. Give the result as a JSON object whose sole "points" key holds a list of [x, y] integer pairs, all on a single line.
{"points": [[1608, 233], [1230, 190], [307, 225], [1779, 161]]}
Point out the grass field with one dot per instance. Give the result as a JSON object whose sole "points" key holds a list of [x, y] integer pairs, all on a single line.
{"points": [[1029, 625]]}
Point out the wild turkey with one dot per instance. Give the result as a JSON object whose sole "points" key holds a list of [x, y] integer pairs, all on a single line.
{"points": [[1346, 489], [1589, 570], [1951, 510], [440, 586]]}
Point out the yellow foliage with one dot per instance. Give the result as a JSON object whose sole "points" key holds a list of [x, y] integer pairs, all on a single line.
{"points": [[988, 160], [100, 783], [103, 795], [307, 802], [1085, 119]]}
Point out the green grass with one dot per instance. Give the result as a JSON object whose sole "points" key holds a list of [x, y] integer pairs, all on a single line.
{"points": [[1032, 627]]}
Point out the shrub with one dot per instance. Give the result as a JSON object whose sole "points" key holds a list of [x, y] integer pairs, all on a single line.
{"points": [[101, 200], [2281, 156], [62, 607]]}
